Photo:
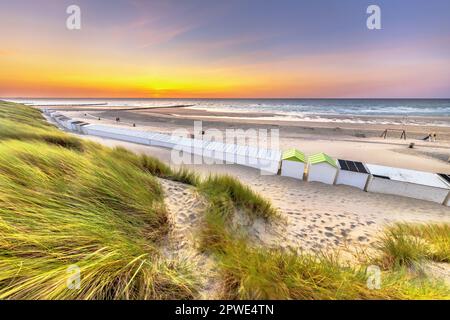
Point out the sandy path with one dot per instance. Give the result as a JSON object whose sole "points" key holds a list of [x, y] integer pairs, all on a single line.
{"points": [[186, 209]]}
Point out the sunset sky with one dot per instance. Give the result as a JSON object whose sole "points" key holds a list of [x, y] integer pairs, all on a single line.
{"points": [[212, 48]]}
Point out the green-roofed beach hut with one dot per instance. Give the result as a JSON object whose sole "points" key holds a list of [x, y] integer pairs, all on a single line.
{"points": [[322, 168], [293, 163]]}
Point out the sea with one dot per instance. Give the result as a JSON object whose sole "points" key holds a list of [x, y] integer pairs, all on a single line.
{"points": [[407, 111]]}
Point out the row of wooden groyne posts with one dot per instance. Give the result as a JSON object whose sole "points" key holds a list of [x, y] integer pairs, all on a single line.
{"points": [[291, 163]]}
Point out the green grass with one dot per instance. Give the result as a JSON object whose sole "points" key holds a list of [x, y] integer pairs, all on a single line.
{"points": [[156, 167], [407, 244], [24, 123], [261, 273], [239, 194], [88, 206], [252, 272], [225, 195], [60, 207]]}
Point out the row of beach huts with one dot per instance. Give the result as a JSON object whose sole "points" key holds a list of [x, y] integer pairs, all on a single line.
{"points": [[290, 163]]}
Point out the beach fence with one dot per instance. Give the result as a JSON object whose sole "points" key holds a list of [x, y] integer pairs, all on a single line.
{"points": [[352, 173], [408, 183], [293, 164], [322, 168]]}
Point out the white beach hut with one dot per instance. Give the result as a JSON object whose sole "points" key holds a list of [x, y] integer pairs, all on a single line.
{"points": [[293, 163], [408, 183], [269, 160], [230, 153], [352, 173], [242, 155], [123, 134], [252, 157], [214, 150], [446, 179], [79, 126], [198, 146], [185, 145], [322, 168], [71, 124], [161, 140]]}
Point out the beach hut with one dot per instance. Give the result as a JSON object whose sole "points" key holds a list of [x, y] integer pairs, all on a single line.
{"points": [[352, 173], [230, 153], [79, 126], [123, 134], [71, 124], [241, 155], [252, 157], [269, 160], [214, 150], [322, 168], [446, 179], [161, 140], [60, 119], [293, 163], [408, 183], [185, 145], [198, 146]]}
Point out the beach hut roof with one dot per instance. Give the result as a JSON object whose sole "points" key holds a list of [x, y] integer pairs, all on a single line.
{"points": [[322, 157], [408, 175], [293, 155]]}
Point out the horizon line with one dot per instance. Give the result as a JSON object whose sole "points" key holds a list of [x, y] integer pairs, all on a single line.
{"points": [[221, 98]]}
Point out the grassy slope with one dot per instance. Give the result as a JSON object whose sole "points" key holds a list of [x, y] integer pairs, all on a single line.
{"points": [[64, 202]]}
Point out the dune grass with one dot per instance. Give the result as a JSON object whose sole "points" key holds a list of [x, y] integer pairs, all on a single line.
{"points": [[261, 273], [252, 272], [60, 207], [407, 244], [225, 195], [87, 206], [156, 167], [239, 194], [24, 123]]}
